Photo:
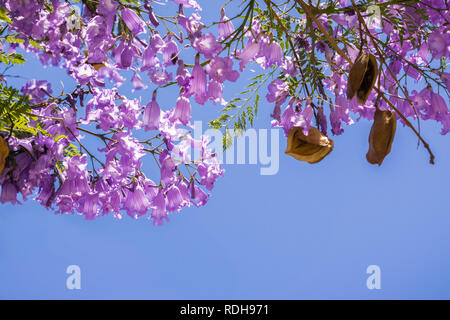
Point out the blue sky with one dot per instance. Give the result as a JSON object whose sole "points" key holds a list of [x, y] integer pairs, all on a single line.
{"points": [[308, 232]]}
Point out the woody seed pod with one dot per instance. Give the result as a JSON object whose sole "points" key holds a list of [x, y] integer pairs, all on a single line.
{"points": [[311, 148], [4, 152], [362, 77], [381, 136]]}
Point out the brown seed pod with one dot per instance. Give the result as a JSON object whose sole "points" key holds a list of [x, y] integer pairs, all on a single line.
{"points": [[311, 148], [381, 136], [362, 77], [4, 152]]}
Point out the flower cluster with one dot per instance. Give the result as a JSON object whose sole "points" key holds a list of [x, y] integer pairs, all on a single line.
{"points": [[412, 54], [318, 74], [94, 46]]}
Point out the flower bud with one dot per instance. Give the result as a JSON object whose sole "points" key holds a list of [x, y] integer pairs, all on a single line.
{"points": [[362, 77], [381, 136], [4, 152], [311, 148]]}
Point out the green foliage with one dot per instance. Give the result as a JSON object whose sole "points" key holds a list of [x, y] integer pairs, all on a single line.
{"points": [[241, 111], [72, 151], [16, 119], [286, 23], [11, 58], [4, 15], [14, 110]]}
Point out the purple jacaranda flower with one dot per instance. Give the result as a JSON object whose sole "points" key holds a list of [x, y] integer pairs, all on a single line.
{"points": [[84, 73], [345, 19], [189, 4], [130, 150], [136, 203], [439, 44], [46, 190], [441, 112], [107, 8], [445, 77], [276, 113], [305, 118], [411, 71], [151, 15], [111, 72], [288, 66], [198, 82], [126, 57], [422, 100], [338, 115], [301, 42], [98, 39], [256, 29], [90, 206], [404, 108], [423, 53], [174, 198], [192, 25], [157, 43], [23, 161], [289, 117], [388, 27], [66, 204], [9, 193], [272, 54], [149, 59], [395, 65], [182, 111], [37, 90], [159, 76], [129, 113], [168, 168], [133, 22], [249, 52], [209, 172], [435, 10], [111, 202], [207, 45], [278, 91], [102, 108], [183, 75], [182, 150], [431, 105], [323, 124], [215, 92], [125, 53], [184, 191], [159, 212], [76, 177], [170, 53], [226, 27], [221, 69], [137, 82], [70, 122], [152, 114], [198, 196]]}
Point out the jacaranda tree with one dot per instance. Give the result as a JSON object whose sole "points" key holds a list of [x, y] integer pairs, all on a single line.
{"points": [[321, 64]]}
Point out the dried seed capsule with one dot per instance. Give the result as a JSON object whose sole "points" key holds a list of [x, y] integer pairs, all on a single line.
{"points": [[381, 136], [362, 77], [4, 152], [311, 148]]}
